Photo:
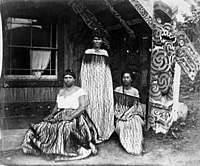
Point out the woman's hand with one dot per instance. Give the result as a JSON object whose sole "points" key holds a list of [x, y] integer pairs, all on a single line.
{"points": [[69, 114]]}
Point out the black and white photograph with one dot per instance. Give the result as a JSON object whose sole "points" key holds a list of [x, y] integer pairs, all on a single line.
{"points": [[100, 82]]}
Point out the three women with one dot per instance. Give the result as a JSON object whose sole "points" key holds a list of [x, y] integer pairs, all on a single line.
{"points": [[68, 133]]}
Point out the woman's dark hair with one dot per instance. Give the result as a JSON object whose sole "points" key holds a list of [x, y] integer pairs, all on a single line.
{"points": [[129, 72], [69, 72], [122, 74], [97, 33]]}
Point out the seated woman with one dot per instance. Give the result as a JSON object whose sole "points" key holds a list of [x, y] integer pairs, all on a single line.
{"points": [[67, 133], [128, 116]]}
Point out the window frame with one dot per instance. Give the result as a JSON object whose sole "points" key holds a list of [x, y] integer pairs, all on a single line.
{"points": [[15, 77]]}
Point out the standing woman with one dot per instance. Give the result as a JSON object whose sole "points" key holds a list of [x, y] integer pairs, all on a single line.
{"points": [[67, 133], [96, 79]]}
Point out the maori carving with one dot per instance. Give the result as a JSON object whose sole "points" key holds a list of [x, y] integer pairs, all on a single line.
{"points": [[164, 82], [160, 115], [160, 61], [142, 11], [117, 16], [154, 91], [90, 20], [129, 23], [187, 56], [169, 46]]}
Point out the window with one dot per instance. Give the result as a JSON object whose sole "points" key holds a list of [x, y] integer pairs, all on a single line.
{"points": [[32, 49]]}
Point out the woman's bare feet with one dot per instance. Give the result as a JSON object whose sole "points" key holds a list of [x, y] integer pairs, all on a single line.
{"points": [[144, 152], [93, 148]]}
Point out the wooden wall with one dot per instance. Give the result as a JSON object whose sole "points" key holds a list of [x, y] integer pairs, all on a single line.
{"points": [[40, 94], [77, 38], [21, 105], [33, 103]]}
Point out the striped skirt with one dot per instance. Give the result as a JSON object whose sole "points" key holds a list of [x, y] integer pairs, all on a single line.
{"points": [[96, 80], [129, 127], [130, 134], [58, 139]]}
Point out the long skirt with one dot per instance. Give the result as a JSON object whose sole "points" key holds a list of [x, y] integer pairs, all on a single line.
{"points": [[130, 134], [96, 80], [58, 139]]}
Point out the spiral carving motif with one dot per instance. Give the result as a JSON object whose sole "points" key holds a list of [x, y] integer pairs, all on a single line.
{"points": [[157, 36], [155, 91], [172, 57], [164, 80], [168, 47], [167, 27], [160, 62]]}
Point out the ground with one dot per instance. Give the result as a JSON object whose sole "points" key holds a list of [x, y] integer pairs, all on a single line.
{"points": [[180, 147]]}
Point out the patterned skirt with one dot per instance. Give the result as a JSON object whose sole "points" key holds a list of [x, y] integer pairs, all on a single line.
{"points": [[130, 134], [58, 139], [129, 127], [96, 80]]}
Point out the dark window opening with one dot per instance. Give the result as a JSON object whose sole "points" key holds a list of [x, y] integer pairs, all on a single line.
{"points": [[32, 48]]}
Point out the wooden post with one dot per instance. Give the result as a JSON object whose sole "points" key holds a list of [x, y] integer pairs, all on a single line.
{"points": [[1, 45], [176, 91]]}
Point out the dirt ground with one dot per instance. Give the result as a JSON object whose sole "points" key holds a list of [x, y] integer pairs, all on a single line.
{"points": [[180, 147]]}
